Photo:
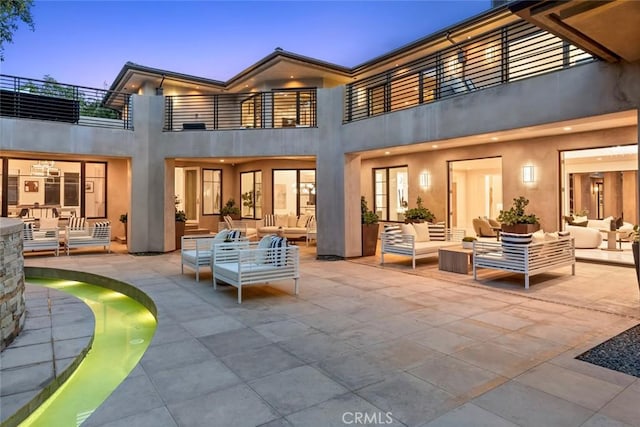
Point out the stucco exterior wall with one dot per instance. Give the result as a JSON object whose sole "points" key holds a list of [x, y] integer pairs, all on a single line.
{"points": [[579, 92]]}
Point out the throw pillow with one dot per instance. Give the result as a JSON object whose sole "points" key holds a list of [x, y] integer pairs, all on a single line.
{"points": [[568, 219], [302, 221], [577, 218], [269, 220], [291, 220], [422, 231], [408, 229], [27, 231], [282, 220], [437, 232], [538, 236], [619, 222], [101, 230], [516, 239]]}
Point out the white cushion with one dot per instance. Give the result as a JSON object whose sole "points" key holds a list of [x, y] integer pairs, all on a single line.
{"points": [[422, 231], [538, 236], [282, 220], [577, 218], [408, 229], [292, 220], [302, 221]]}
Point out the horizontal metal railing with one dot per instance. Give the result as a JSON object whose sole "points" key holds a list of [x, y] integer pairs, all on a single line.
{"points": [[505, 55], [53, 101], [284, 108]]}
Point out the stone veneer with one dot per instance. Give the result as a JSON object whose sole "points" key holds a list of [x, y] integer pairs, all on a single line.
{"points": [[12, 303]]}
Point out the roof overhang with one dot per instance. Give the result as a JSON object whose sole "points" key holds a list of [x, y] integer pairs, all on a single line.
{"points": [[607, 29]]}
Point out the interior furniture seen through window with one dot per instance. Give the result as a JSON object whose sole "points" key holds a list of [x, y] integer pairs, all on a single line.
{"points": [[294, 191], [251, 194]]}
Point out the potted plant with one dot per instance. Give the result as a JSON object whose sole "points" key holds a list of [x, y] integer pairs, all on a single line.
{"points": [[419, 213], [634, 236], [516, 221], [230, 209], [181, 219], [369, 229], [467, 242], [123, 219]]}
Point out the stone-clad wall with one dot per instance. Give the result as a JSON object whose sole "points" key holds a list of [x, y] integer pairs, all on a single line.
{"points": [[12, 304]]}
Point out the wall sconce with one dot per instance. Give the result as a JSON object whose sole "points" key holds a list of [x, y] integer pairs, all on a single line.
{"points": [[528, 174], [425, 180]]}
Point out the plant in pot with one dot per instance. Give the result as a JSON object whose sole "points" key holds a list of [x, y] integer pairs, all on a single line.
{"points": [[181, 219], [230, 209], [419, 213], [467, 242], [369, 229], [515, 220], [123, 219], [634, 236]]}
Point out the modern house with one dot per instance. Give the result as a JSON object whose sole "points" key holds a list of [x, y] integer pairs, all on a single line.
{"points": [[532, 98]]}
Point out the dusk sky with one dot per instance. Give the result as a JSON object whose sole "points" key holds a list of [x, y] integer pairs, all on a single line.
{"points": [[87, 42]]}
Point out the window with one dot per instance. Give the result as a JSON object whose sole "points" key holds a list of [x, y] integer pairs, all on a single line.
{"points": [[71, 189], [376, 101], [294, 191], [211, 191], [95, 190], [251, 112], [251, 194], [391, 192], [293, 108], [52, 190]]}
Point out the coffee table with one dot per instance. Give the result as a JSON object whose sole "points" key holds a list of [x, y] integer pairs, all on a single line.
{"points": [[455, 259]]}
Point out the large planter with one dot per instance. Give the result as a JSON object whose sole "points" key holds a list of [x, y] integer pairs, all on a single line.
{"points": [[369, 239], [634, 248], [520, 228], [179, 233]]}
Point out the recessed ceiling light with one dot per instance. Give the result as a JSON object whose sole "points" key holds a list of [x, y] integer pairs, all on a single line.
{"points": [[434, 146], [221, 160], [291, 76], [386, 153], [397, 65], [599, 158], [566, 128], [495, 138]]}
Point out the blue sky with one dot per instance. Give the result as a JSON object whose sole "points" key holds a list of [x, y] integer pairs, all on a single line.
{"points": [[87, 42]]}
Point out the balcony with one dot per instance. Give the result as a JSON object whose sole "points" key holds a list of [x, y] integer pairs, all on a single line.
{"points": [[52, 101], [283, 108], [511, 53]]}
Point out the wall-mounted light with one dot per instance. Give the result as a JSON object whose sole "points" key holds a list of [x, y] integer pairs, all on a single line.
{"points": [[528, 174], [425, 180]]}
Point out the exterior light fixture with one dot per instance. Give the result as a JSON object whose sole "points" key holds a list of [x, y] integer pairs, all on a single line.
{"points": [[528, 174], [425, 180]]}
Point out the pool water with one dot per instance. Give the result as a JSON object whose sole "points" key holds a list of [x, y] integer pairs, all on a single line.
{"points": [[123, 331]]}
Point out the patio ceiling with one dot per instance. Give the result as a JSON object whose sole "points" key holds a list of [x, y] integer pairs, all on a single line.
{"points": [[607, 29]]}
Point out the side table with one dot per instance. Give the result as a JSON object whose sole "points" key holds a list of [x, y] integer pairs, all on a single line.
{"points": [[455, 259], [612, 237]]}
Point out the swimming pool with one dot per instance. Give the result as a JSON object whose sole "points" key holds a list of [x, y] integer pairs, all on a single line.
{"points": [[123, 330]]}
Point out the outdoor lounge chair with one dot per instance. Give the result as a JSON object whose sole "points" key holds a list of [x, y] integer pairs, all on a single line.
{"points": [[196, 249]]}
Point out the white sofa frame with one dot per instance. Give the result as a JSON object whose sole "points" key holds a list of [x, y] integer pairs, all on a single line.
{"points": [[87, 236], [239, 264], [44, 239], [196, 252], [529, 259], [393, 242]]}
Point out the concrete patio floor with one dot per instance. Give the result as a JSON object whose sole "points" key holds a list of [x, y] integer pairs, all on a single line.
{"points": [[400, 346]]}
